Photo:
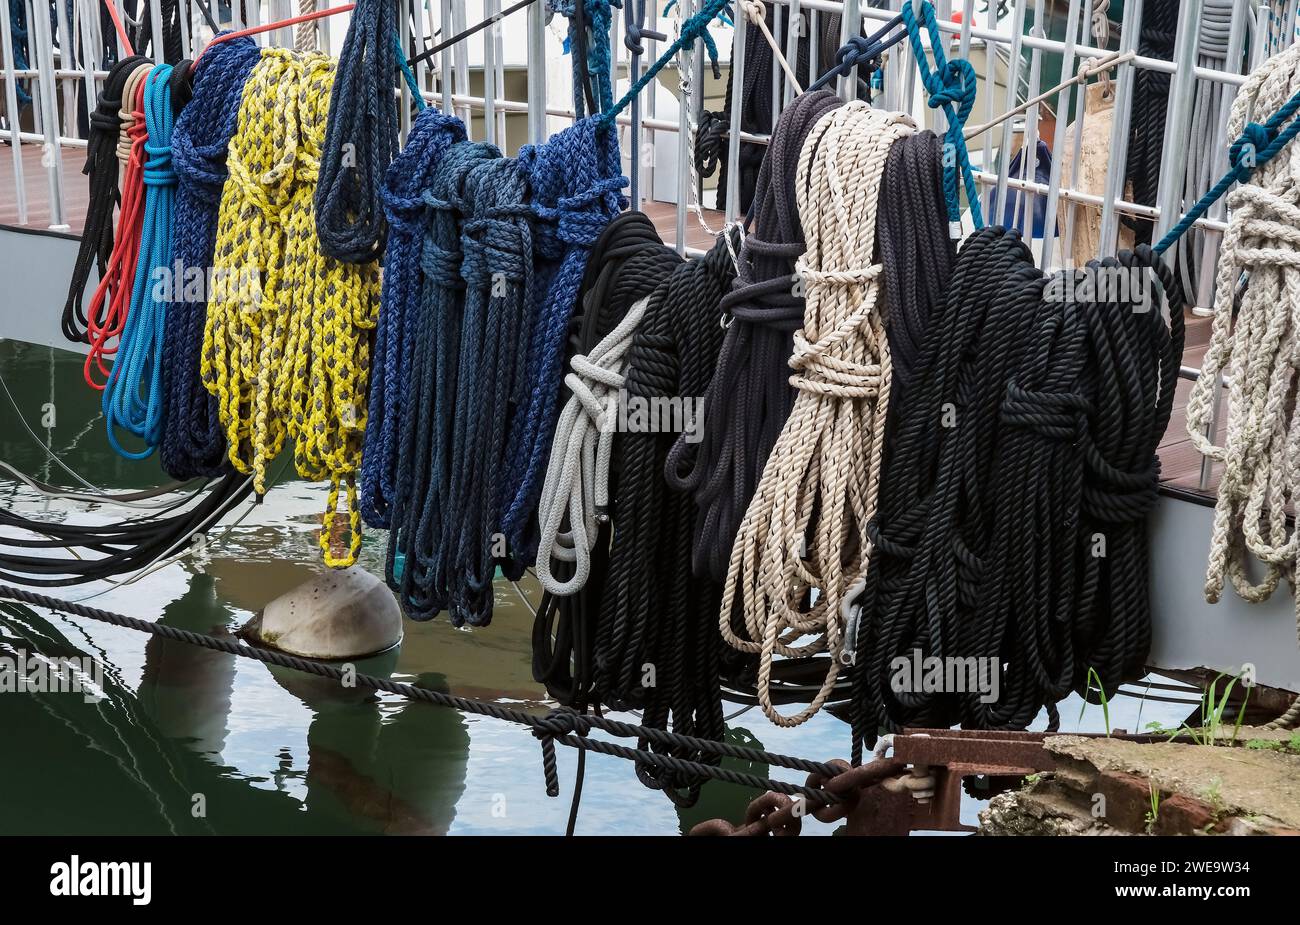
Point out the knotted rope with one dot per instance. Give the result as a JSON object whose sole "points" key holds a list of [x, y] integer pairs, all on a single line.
{"points": [[104, 322], [193, 442], [827, 460], [361, 137], [1255, 341], [576, 188], [287, 352], [952, 86], [749, 398], [133, 395], [96, 247], [408, 178]]}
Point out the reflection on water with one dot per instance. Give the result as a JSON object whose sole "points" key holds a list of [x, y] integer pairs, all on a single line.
{"points": [[194, 741]]}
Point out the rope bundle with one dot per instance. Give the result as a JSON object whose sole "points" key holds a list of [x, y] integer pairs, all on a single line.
{"points": [[827, 459], [286, 349], [193, 442], [749, 398], [133, 396], [1254, 342], [575, 184]]}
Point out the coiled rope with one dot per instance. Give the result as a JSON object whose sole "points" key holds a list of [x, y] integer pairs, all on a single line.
{"points": [[575, 185], [422, 486], [193, 442], [361, 137], [628, 262], [287, 352], [96, 245], [1254, 342], [827, 459], [749, 398], [400, 310], [655, 645], [106, 313]]}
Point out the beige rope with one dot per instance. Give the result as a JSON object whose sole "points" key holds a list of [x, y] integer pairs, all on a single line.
{"points": [[126, 113], [1258, 351], [827, 459], [756, 13], [305, 35]]}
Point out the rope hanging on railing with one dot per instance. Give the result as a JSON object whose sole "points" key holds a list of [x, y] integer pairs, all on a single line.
{"points": [[952, 86], [1254, 343], [286, 349], [193, 442], [133, 395], [805, 527], [361, 137]]}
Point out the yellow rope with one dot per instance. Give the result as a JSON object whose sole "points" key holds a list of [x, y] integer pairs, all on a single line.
{"points": [[285, 348]]}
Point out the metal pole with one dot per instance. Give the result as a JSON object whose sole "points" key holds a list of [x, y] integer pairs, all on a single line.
{"points": [[11, 116], [1119, 128], [536, 74], [732, 191], [1058, 137], [1173, 161]]}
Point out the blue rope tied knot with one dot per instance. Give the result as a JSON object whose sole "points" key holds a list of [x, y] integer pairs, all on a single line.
{"points": [[1257, 145], [951, 86]]}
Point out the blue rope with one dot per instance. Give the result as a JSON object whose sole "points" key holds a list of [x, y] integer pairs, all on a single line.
{"points": [[695, 27], [133, 397], [422, 485], [194, 443], [18, 30], [598, 18], [576, 190], [1257, 145], [951, 84], [860, 50], [405, 183], [408, 74]]}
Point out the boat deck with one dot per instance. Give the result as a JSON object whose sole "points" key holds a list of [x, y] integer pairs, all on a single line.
{"points": [[1180, 464]]}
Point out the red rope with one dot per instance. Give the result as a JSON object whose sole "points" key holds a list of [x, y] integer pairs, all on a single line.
{"points": [[254, 30], [121, 30], [119, 277]]}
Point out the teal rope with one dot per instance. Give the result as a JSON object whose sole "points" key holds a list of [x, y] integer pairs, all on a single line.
{"points": [[1257, 145], [952, 87], [692, 29], [407, 72]]}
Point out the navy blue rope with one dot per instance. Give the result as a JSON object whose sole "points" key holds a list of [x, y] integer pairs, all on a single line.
{"points": [[497, 267], [589, 27], [422, 488], [360, 137], [405, 183], [1257, 145], [860, 50], [193, 442], [951, 84], [576, 190]]}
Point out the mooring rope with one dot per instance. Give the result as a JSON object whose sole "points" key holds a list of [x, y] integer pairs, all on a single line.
{"points": [[1254, 342], [193, 442], [401, 309], [562, 726], [96, 245], [361, 137], [826, 461], [750, 396], [291, 359]]}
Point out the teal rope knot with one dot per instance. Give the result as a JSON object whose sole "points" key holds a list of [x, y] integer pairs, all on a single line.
{"points": [[951, 86], [1244, 153]]}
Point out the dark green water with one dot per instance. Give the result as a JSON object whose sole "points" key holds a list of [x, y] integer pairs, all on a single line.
{"points": [[193, 741]]}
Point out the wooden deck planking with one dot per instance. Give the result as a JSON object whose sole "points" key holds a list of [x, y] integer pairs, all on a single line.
{"points": [[76, 188]]}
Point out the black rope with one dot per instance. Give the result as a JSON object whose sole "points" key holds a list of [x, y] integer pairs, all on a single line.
{"points": [[1029, 429], [563, 726], [1150, 104], [628, 262], [102, 168], [472, 30]]}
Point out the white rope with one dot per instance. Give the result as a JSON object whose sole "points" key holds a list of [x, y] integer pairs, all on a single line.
{"points": [[577, 475], [827, 459], [1259, 350]]}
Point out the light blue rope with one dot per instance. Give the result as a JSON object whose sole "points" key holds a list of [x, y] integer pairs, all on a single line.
{"points": [[408, 73], [1257, 145], [133, 397], [951, 86]]}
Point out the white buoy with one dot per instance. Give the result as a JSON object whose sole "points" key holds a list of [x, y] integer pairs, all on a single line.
{"points": [[337, 614]]}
